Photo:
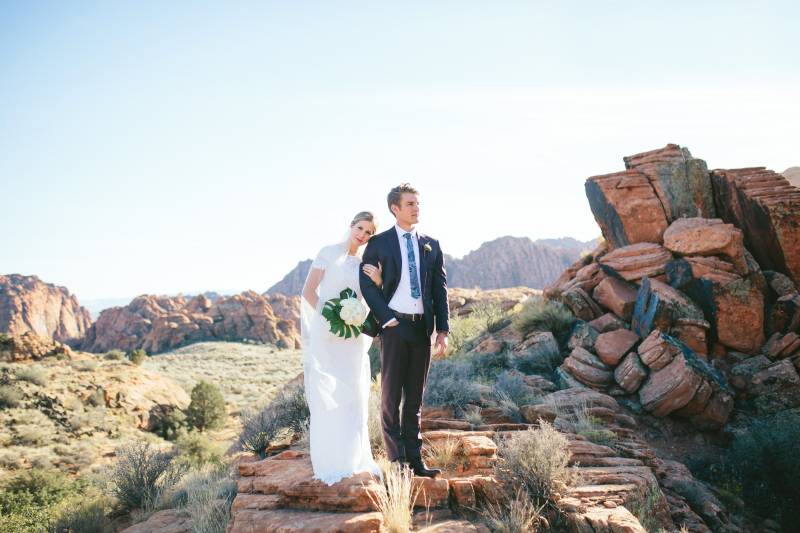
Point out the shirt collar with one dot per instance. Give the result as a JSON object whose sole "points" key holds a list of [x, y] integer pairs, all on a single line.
{"points": [[401, 232]]}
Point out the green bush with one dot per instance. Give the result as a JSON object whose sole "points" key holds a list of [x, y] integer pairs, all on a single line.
{"points": [[196, 449], [540, 314], [169, 421], [137, 356], [207, 407], [143, 475], [10, 396], [30, 499]]}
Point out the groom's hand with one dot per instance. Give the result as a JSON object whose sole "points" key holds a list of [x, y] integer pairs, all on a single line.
{"points": [[440, 346]]}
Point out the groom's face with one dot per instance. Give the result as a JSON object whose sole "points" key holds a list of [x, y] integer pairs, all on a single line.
{"points": [[408, 210]]}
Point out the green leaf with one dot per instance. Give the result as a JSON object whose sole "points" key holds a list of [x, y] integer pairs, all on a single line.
{"points": [[347, 293]]}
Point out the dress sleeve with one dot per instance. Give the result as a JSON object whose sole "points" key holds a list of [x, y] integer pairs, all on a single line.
{"points": [[322, 259]]}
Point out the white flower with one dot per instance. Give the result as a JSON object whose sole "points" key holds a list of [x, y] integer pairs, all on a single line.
{"points": [[353, 312]]}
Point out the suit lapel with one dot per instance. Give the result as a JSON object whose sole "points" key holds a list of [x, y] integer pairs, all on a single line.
{"points": [[394, 250]]}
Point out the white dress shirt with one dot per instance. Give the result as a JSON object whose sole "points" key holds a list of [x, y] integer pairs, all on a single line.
{"points": [[402, 300]]}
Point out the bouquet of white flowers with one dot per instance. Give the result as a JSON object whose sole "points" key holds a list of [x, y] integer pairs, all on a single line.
{"points": [[346, 314]]}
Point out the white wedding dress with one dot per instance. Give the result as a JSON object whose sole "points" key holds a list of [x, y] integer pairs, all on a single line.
{"points": [[337, 377]]}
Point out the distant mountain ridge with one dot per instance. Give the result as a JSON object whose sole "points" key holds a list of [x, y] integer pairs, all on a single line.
{"points": [[497, 264]]}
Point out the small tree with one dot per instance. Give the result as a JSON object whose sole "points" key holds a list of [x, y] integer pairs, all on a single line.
{"points": [[207, 408]]}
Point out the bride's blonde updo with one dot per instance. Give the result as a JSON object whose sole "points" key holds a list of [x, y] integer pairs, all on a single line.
{"points": [[364, 215]]}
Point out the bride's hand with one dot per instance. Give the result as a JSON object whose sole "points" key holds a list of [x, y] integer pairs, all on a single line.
{"points": [[374, 273]]}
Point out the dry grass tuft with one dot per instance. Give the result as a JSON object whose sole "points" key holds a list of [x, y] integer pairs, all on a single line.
{"points": [[396, 498]]}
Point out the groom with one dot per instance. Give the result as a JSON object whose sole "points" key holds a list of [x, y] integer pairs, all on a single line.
{"points": [[410, 303]]}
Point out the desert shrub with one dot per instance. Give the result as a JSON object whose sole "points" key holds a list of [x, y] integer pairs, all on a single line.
{"points": [[762, 466], [207, 407], [84, 365], [169, 421], [45, 487], [589, 425], [488, 366], [30, 499], [490, 316], [286, 415], [541, 314], [196, 449], [535, 459], [513, 515], [643, 505], [143, 475], [209, 493], [474, 417], [32, 374], [137, 356], [10, 396], [115, 355], [464, 329], [508, 406], [84, 516], [512, 385], [450, 383], [541, 358]]}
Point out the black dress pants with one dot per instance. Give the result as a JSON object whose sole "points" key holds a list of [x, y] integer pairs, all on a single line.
{"points": [[405, 359]]}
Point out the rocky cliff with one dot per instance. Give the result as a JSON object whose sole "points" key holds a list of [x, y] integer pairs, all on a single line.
{"points": [[160, 323], [29, 304]]}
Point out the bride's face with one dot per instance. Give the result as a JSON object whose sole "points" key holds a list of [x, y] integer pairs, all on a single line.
{"points": [[361, 231]]}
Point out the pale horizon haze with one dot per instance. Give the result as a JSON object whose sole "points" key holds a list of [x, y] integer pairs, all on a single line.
{"points": [[183, 147]]}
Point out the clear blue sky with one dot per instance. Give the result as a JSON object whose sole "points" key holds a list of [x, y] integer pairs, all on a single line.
{"points": [[158, 147]]}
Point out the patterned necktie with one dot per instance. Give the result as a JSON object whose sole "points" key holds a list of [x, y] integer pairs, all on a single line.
{"points": [[412, 266]]}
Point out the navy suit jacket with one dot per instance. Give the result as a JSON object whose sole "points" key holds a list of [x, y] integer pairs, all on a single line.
{"points": [[385, 248]]}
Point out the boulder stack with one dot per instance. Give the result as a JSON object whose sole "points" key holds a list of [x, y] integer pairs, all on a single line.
{"points": [[698, 273]]}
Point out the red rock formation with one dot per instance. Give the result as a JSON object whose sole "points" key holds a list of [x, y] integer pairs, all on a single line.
{"points": [[159, 323], [29, 304], [767, 208], [626, 208]]}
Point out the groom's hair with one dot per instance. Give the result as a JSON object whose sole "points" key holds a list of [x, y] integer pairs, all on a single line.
{"points": [[396, 195]]}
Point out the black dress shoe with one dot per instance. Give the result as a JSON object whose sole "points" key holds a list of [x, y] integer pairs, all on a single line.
{"points": [[420, 469]]}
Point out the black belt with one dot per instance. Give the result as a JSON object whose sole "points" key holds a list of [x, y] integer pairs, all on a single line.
{"points": [[412, 317]]}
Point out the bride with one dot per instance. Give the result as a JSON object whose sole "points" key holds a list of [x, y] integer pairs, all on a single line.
{"points": [[336, 370]]}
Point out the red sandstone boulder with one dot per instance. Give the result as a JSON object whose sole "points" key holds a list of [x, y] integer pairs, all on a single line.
{"points": [[607, 322], [686, 384], [588, 369], [680, 181], [636, 261], [611, 347], [626, 208], [706, 237], [767, 209], [617, 296], [630, 373]]}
